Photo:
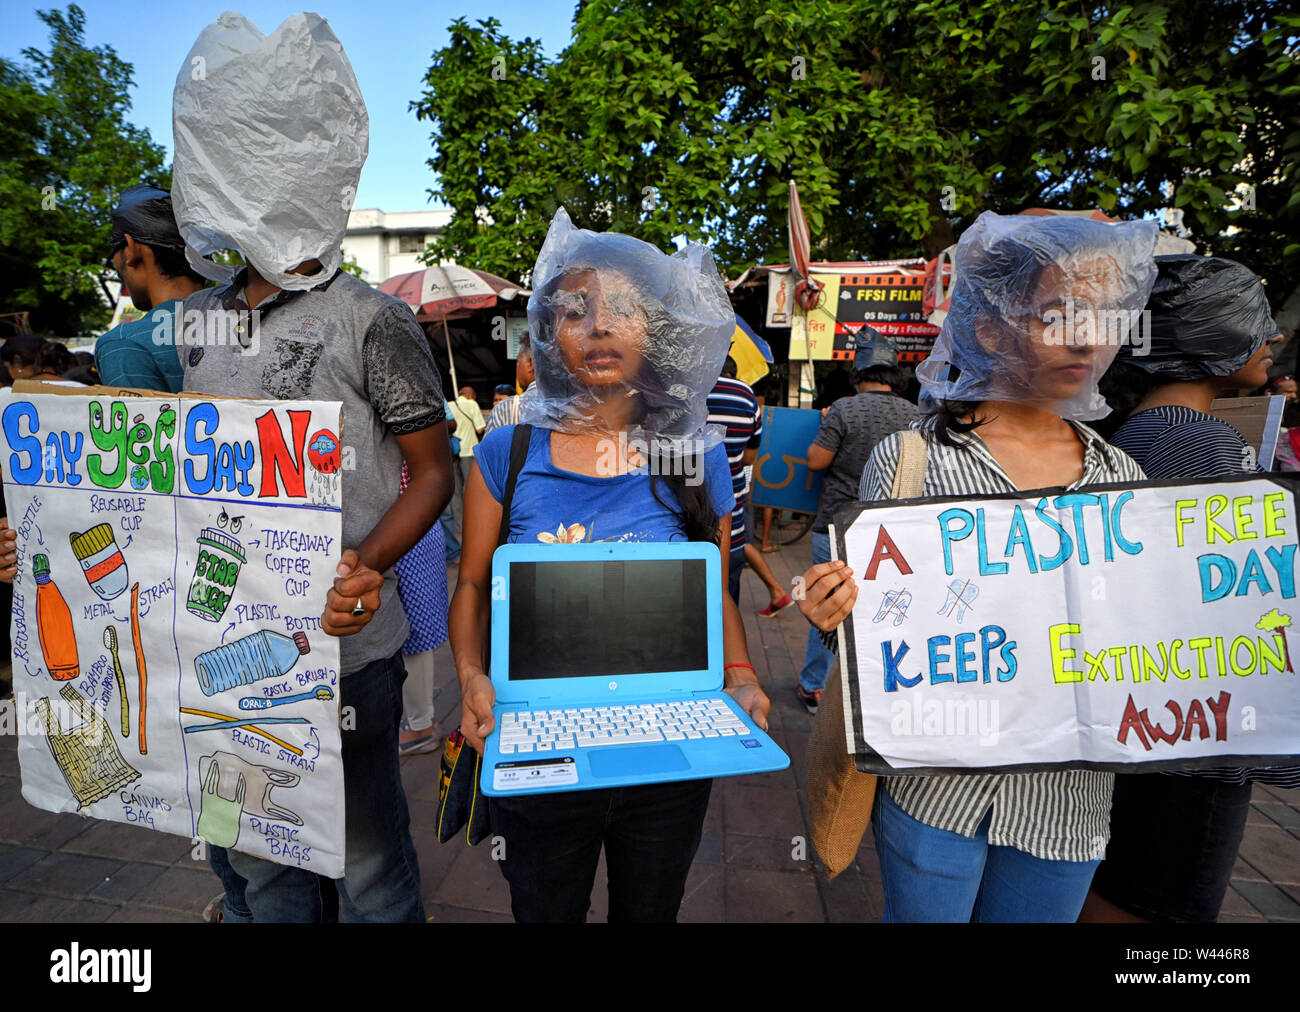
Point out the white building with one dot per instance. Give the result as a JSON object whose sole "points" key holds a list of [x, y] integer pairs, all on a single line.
{"points": [[385, 244]]}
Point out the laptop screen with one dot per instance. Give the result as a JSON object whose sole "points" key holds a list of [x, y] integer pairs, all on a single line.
{"points": [[572, 619]]}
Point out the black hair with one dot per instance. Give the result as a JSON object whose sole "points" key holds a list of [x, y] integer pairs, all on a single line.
{"points": [[890, 375], [729, 368], [696, 516], [172, 264], [22, 349], [1124, 385], [953, 416], [54, 357]]}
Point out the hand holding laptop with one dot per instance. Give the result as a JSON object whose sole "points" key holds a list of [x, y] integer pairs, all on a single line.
{"points": [[752, 699], [476, 718]]}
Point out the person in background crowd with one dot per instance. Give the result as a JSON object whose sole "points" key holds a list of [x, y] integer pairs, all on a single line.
{"points": [[83, 369], [53, 360], [447, 518], [508, 411], [1284, 386], [21, 356], [732, 405], [1286, 457], [850, 430], [616, 324], [470, 426], [422, 584], [500, 392], [1174, 836], [148, 253], [1001, 392]]}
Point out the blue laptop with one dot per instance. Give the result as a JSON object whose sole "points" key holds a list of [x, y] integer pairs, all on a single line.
{"points": [[607, 664]]}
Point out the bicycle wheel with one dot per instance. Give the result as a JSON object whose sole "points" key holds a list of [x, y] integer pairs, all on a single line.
{"points": [[789, 526]]}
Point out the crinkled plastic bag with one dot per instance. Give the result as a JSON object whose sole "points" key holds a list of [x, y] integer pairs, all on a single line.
{"points": [[1208, 318], [599, 299], [271, 133], [145, 214], [1037, 300]]}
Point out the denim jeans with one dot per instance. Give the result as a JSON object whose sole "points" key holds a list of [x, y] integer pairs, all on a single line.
{"points": [[552, 846], [235, 906], [817, 659], [448, 521], [381, 879], [933, 875]]}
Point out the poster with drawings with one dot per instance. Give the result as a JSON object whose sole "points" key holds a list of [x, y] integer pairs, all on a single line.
{"points": [[174, 553]]}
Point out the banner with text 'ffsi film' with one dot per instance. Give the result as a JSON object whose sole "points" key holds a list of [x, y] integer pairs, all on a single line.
{"points": [[1108, 627], [169, 665]]}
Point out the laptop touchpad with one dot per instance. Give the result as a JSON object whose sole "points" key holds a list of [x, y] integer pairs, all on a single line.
{"points": [[622, 762]]}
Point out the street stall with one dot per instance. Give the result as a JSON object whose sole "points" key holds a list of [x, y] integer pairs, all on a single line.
{"points": [[473, 320]]}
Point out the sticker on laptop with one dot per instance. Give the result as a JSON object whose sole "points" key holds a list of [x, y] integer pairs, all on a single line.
{"points": [[533, 773]]}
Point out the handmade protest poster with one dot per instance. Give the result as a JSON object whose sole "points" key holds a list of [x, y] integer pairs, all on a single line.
{"points": [[1115, 627], [782, 478], [174, 553]]}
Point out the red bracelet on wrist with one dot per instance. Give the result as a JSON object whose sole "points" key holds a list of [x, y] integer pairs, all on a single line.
{"points": [[750, 666]]}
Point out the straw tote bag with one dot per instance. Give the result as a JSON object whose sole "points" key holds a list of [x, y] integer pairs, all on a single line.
{"points": [[839, 795]]}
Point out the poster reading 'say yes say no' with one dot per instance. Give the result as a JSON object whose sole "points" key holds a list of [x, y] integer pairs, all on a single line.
{"points": [[1114, 627], [170, 671]]}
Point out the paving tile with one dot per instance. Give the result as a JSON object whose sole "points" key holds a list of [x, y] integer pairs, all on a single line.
{"points": [[1274, 852], [766, 852], [1291, 890], [439, 914], [131, 843], [436, 859], [65, 874], [710, 849], [15, 859], [474, 882], [187, 890], [420, 777], [1283, 815], [1233, 919], [61, 910], [1236, 905], [763, 811], [1243, 870], [123, 884], [702, 901], [846, 899], [33, 827], [13, 902], [757, 896], [1269, 900], [134, 913]]}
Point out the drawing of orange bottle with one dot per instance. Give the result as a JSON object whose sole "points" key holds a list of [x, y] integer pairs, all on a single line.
{"points": [[54, 623]]}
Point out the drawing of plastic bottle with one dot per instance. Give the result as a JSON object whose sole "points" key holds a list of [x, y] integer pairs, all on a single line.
{"points": [[101, 560], [263, 654], [54, 624]]}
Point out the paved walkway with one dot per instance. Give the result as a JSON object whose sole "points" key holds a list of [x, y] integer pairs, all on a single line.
{"points": [[751, 865]]}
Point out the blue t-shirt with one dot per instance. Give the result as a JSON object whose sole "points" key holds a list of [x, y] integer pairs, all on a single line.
{"points": [[127, 355], [554, 506]]}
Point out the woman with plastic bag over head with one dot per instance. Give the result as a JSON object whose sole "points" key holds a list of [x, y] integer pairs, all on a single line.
{"points": [[1174, 836], [1038, 309], [627, 342]]}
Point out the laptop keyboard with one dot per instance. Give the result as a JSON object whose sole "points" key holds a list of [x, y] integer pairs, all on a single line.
{"points": [[556, 730]]}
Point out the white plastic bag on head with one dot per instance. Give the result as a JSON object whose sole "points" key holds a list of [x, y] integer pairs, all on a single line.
{"points": [[1039, 310], [600, 298], [271, 133]]}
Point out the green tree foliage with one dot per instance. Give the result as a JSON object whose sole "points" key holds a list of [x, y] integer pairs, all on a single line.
{"points": [[66, 154], [899, 120]]}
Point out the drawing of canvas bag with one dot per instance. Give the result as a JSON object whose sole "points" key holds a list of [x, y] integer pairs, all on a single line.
{"points": [[839, 795], [258, 781], [219, 819], [87, 755]]}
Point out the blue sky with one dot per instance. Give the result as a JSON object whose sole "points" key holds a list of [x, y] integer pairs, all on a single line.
{"points": [[389, 44]]}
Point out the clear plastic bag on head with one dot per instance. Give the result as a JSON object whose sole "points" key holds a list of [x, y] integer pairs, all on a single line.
{"points": [[271, 133], [1208, 318], [1040, 308], [612, 318]]}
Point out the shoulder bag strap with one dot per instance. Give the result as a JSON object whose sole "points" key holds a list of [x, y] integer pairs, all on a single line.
{"points": [[518, 454], [909, 479]]}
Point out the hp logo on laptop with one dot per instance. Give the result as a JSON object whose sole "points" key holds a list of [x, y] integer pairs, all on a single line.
{"points": [[613, 686]]}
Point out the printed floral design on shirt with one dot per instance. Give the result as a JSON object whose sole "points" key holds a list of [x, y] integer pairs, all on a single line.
{"points": [[570, 535]]}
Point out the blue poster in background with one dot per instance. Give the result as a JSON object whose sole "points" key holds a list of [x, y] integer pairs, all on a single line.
{"points": [[781, 476]]}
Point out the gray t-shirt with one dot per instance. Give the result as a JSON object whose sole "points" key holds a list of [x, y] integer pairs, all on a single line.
{"points": [[341, 341], [851, 429]]}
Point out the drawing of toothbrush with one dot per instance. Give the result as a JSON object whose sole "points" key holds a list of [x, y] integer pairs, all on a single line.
{"points": [[110, 643], [258, 703]]}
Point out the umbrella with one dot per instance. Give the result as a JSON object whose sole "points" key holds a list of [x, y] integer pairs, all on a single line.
{"points": [[750, 352], [437, 293], [808, 290]]}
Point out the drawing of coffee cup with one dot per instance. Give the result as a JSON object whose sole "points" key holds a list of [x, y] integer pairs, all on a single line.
{"points": [[215, 572], [101, 560]]}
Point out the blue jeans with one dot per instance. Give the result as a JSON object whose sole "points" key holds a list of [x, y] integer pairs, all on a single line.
{"points": [[934, 875], [553, 841], [381, 880], [448, 521], [235, 907], [817, 659], [735, 566]]}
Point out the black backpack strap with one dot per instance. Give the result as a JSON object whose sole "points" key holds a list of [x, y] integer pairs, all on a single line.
{"points": [[518, 454]]}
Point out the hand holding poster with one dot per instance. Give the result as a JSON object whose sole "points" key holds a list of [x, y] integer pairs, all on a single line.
{"points": [[1108, 628], [169, 665]]}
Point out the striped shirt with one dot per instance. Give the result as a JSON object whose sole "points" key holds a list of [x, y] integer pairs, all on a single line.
{"points": [[1172, 441], [1060, 815], [508, 411], [733, 406]]}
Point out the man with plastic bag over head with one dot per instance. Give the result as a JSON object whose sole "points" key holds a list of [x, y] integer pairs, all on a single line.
{"points": [[1175, 836], [1039, 309], [271, 133], [627, 343]]}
